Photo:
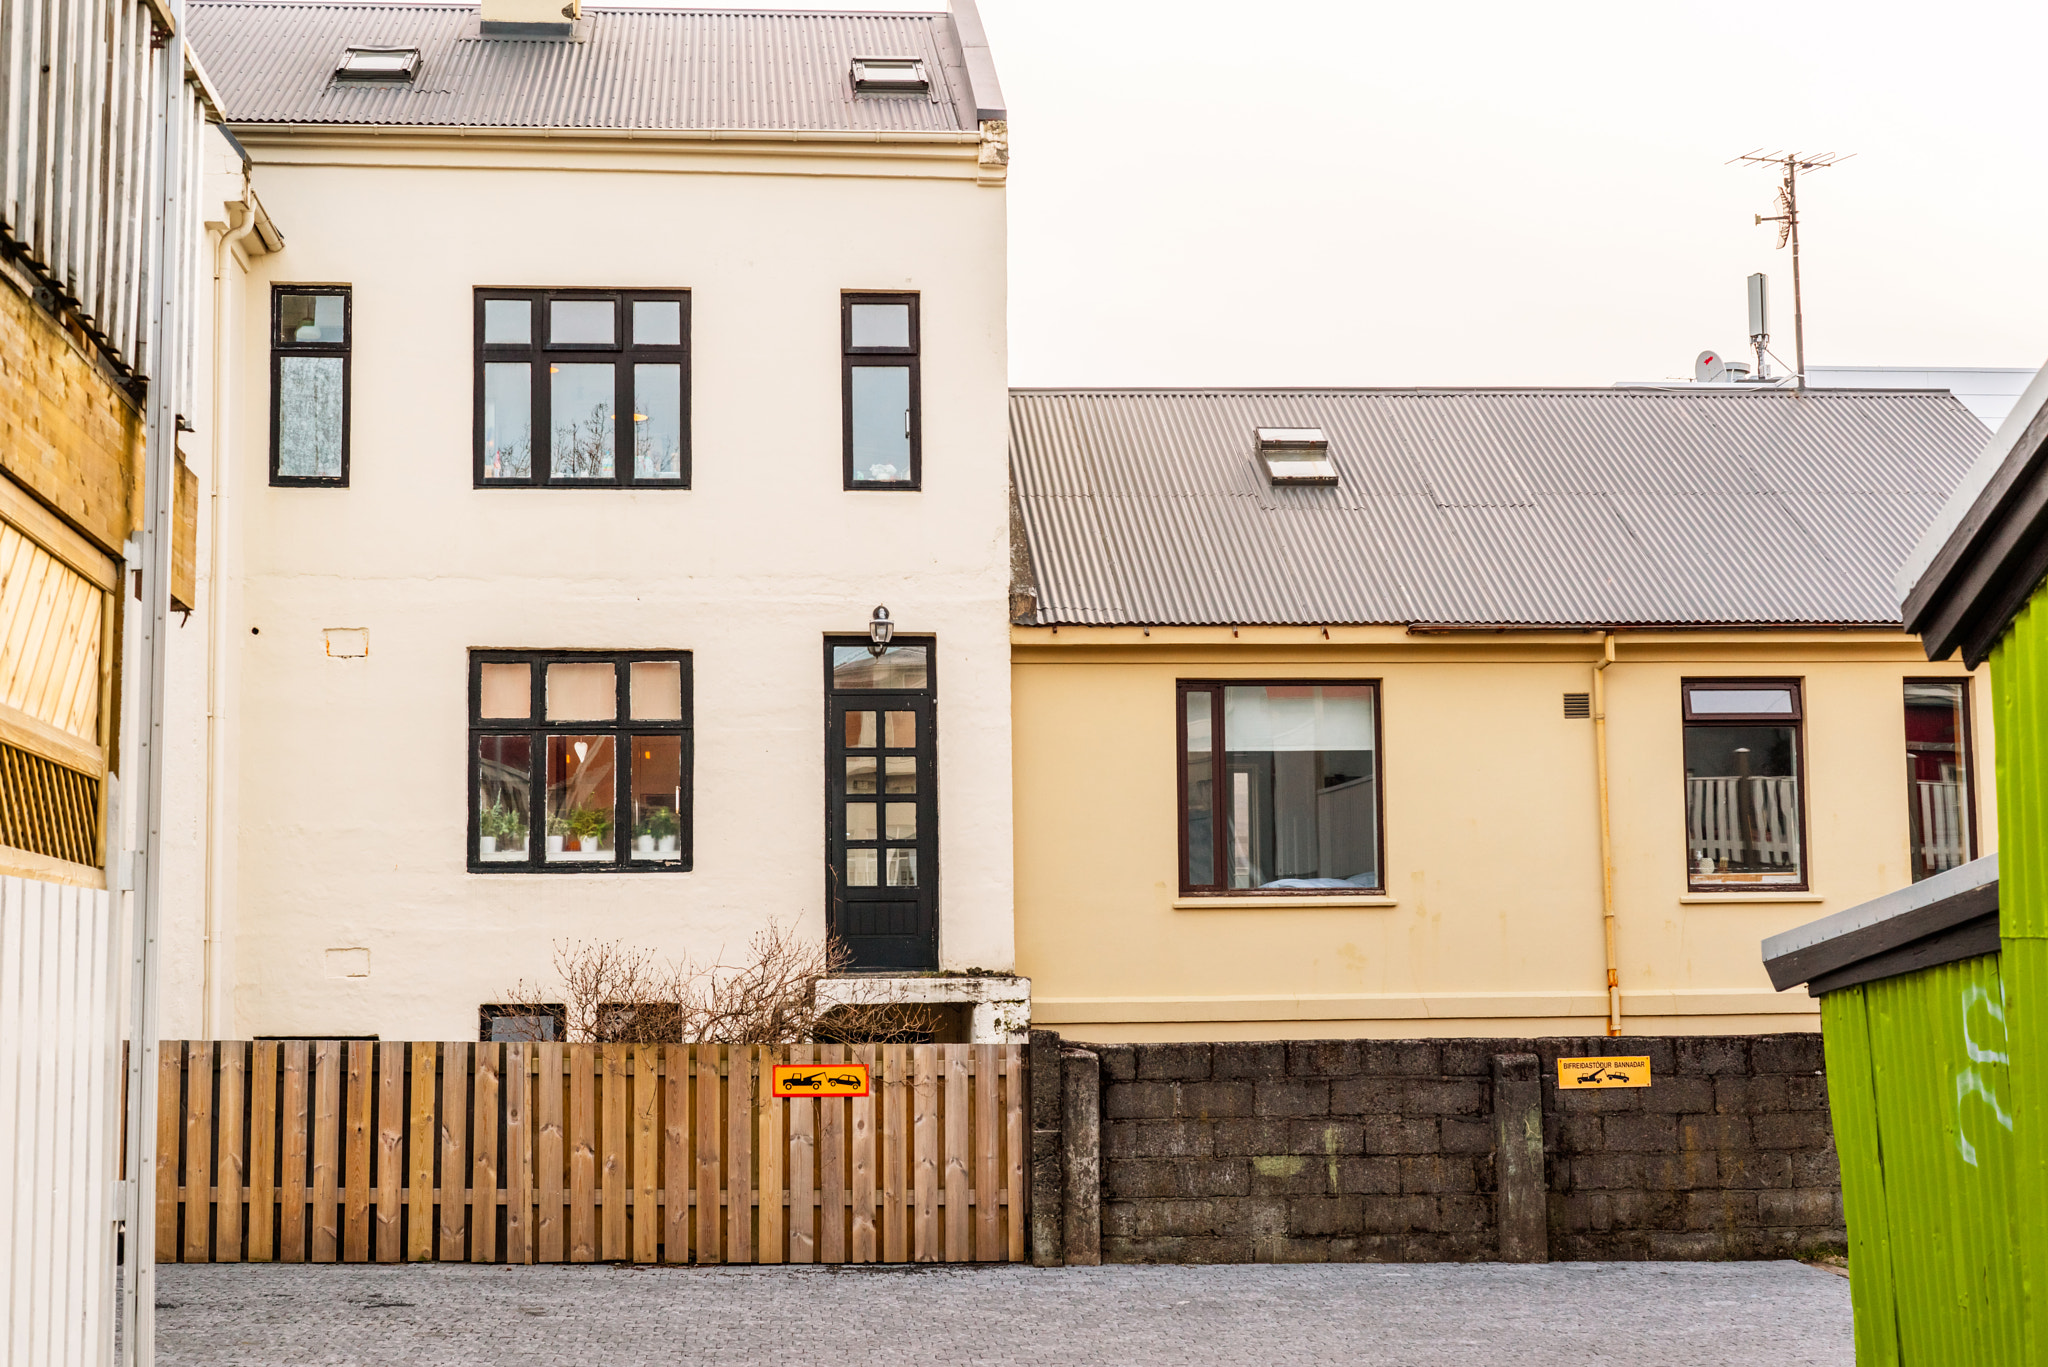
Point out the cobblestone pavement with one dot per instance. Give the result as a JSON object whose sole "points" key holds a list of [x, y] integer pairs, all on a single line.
{"points": [[1562, 1314]]}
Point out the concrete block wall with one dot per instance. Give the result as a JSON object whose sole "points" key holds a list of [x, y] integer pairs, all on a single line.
{"points": [[1395, 1150]]}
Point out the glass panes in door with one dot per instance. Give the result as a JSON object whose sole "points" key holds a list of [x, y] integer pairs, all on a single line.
{"points": [[882, 809]]}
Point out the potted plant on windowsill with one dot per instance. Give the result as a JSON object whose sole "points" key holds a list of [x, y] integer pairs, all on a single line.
{"points": [[656, 833], [588, 826], [500, 828]]}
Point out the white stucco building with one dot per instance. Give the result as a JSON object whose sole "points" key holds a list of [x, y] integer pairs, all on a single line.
{"points": [[615, 366]]}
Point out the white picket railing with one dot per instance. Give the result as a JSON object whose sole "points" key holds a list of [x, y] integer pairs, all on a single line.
{"points": [[1944, 832], [60, 1087], [1717, 810]]}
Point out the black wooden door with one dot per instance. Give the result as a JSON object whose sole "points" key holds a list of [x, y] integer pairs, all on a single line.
{"points": [[882, 806]]}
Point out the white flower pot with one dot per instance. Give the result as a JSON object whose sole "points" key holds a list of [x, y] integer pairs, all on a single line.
{"points": [[668, 844], [488, 844], [643, 844], [554, 844]]}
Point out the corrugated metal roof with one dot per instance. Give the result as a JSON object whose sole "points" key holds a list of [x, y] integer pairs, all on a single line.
{"points": [[1482, 506], [634, 69]]}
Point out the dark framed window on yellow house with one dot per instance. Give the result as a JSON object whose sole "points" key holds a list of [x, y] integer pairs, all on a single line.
{"points": [[1280, 786], [1941, 808], [1745, 804]]}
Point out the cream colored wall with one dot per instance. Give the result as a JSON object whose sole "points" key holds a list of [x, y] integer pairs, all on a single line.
{"points": [[1492, 920], [351, 776]]}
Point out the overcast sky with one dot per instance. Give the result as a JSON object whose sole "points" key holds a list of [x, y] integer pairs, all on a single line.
{"points": [[1496, 193]]}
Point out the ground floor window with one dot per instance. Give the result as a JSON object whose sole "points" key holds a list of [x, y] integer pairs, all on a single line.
{"points": [[1745, 817], [1939, 807], [579, 761], [1280, 786]]}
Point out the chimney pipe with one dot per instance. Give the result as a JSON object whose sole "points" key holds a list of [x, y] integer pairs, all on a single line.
{"points": [[530, 18]]}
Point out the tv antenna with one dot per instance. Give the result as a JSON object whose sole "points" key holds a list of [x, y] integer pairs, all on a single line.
{"points": [[1787, 219]]}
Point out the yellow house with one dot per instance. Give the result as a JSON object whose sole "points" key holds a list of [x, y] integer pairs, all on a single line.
{"points": [[1470, 712]]}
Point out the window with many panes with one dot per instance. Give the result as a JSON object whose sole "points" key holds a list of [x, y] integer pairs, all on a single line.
{"points": [[1745, 813], [309, 374], [1280, 787], [1940, 810], [884, 432], [583, 388], [579, 761]]}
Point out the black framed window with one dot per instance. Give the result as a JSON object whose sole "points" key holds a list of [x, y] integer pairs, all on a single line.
{"points": [[1745, 806], [1941, 809], [583, 388], [579, 761], [883, 419], [310, 335], [1280, 786]]}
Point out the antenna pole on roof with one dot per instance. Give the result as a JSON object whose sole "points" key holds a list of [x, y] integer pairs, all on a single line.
{"points": [[1787, 219]]}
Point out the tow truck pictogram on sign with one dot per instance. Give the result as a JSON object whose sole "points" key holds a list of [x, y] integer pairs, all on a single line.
{"points": [[1577, 1074], [819, 1079]]}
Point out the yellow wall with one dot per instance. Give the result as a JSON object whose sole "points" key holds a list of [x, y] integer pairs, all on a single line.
{"points": [[1491, 923]]}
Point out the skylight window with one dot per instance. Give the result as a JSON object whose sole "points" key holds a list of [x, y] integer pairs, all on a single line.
{"points": [[890, 76], [396, 65], [1296, 455]]}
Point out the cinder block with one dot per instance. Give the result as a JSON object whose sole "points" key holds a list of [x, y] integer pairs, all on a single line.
{"points": [[1312, 1216], [1323, 1058], [1804, 1206], [1369, 1096], [1714, 1133], [1044, 1060], [1400, 1135], [1465, 1136], [1607, 1172], [1721, 1210], [1248, 1060], [1119, 1061], [1172, 1062], [1788, 1053], [1292, 1097], [1369, 1176], [1214, 1100], [1696, 1245], [1711, 1055], [1641, 1133], [1793, 1130], [1806, 1093], [1395, 1214], [1140, 1101], [1288, 1174], [1433, 1175], [1437, 1247], [1252, 1136], [1433, 1097], [1678, 1095], [1166, 1139], [1401, 1058], [1464, 1214], [1322, 1138]]}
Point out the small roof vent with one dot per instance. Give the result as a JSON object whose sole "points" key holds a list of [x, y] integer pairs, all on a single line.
{"points": [[890, 76], [387, 65], [1296, 455]]}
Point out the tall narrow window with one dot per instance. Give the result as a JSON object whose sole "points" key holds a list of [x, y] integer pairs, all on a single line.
{"points": [[1745, 816], [579, 761], [309, 375], [1940, 811], [583, 388], [884, 431], [1280, 787]]}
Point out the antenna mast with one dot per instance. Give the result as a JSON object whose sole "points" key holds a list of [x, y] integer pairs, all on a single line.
{"points": [[1787, 219]]}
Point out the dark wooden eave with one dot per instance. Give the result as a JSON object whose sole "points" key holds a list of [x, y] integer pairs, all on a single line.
{"points": [[1993, 561], [1940, 920]]}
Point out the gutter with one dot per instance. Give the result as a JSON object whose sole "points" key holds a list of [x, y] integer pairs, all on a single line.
{"points": [[1606, 831], [909, 137]]}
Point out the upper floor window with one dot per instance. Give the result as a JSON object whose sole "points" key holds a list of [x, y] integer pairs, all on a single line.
{"points": [[884, 433], [1745, 818], [579, 761], [1940, 811], [583, 388], [1280, 787], [310, 331]]}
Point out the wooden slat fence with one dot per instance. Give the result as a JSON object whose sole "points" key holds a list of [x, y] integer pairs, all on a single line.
{"points": [[370, 1151]]}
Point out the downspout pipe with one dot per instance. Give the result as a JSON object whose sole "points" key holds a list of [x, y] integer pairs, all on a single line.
{"points": [[223, 252], [1606, 831]]}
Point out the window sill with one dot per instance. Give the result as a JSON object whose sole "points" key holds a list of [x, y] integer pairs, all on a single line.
{"points": [[1716, 898], [1277, 901]]}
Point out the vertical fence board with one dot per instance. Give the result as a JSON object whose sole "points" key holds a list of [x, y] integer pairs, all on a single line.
{"points": [[355, 1184], [895, 1127], [293, 1121], [803, 1168], [170, 1058], [390, 1227], [483, 1185], [774, 1152], [582, 1153], [518, 1162], [924, 1172], [326, 1151], [612, 1168], [861, 1164], [198, 1151], [709, 1244], [832, 1211], [955, 1059], [1014, 1143], [739, 1154], [550, 1155], [423, 1141], [675, 1135], [988, 1129], [454, 1148], [262, 1150], [231, 1176], [643, 1170]]}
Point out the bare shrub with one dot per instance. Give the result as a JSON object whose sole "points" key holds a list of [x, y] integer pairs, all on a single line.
{"points": [[612, 994]]}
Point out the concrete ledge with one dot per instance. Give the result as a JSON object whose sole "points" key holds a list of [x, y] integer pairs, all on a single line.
{"points": [[1282, 901], [1001, 1005]]}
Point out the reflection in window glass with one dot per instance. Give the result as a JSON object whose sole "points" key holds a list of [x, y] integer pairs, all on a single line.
{"points": [[508, 322], [657, 420], [657, 322], [900, 730], [902, 868], [582, 322], [507, 690], [860, 821], [1201, 798], [582, 799], [895, 667], [860, 731], [309, 414], [1741, 701], [1938, 807], [900, 820], [585, 423], [862, 868], [1742, 809], [508, 418], [582, 691], [902, 773], [880, 395], [860, 773], [312, 318], [504, 774], [657, 690], [657, 770], [1300, 807], [886, 325]]}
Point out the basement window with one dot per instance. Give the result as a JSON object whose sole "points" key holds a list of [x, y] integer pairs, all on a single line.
{"points": [[889, 76], [1296, 455], [397, 65]]}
